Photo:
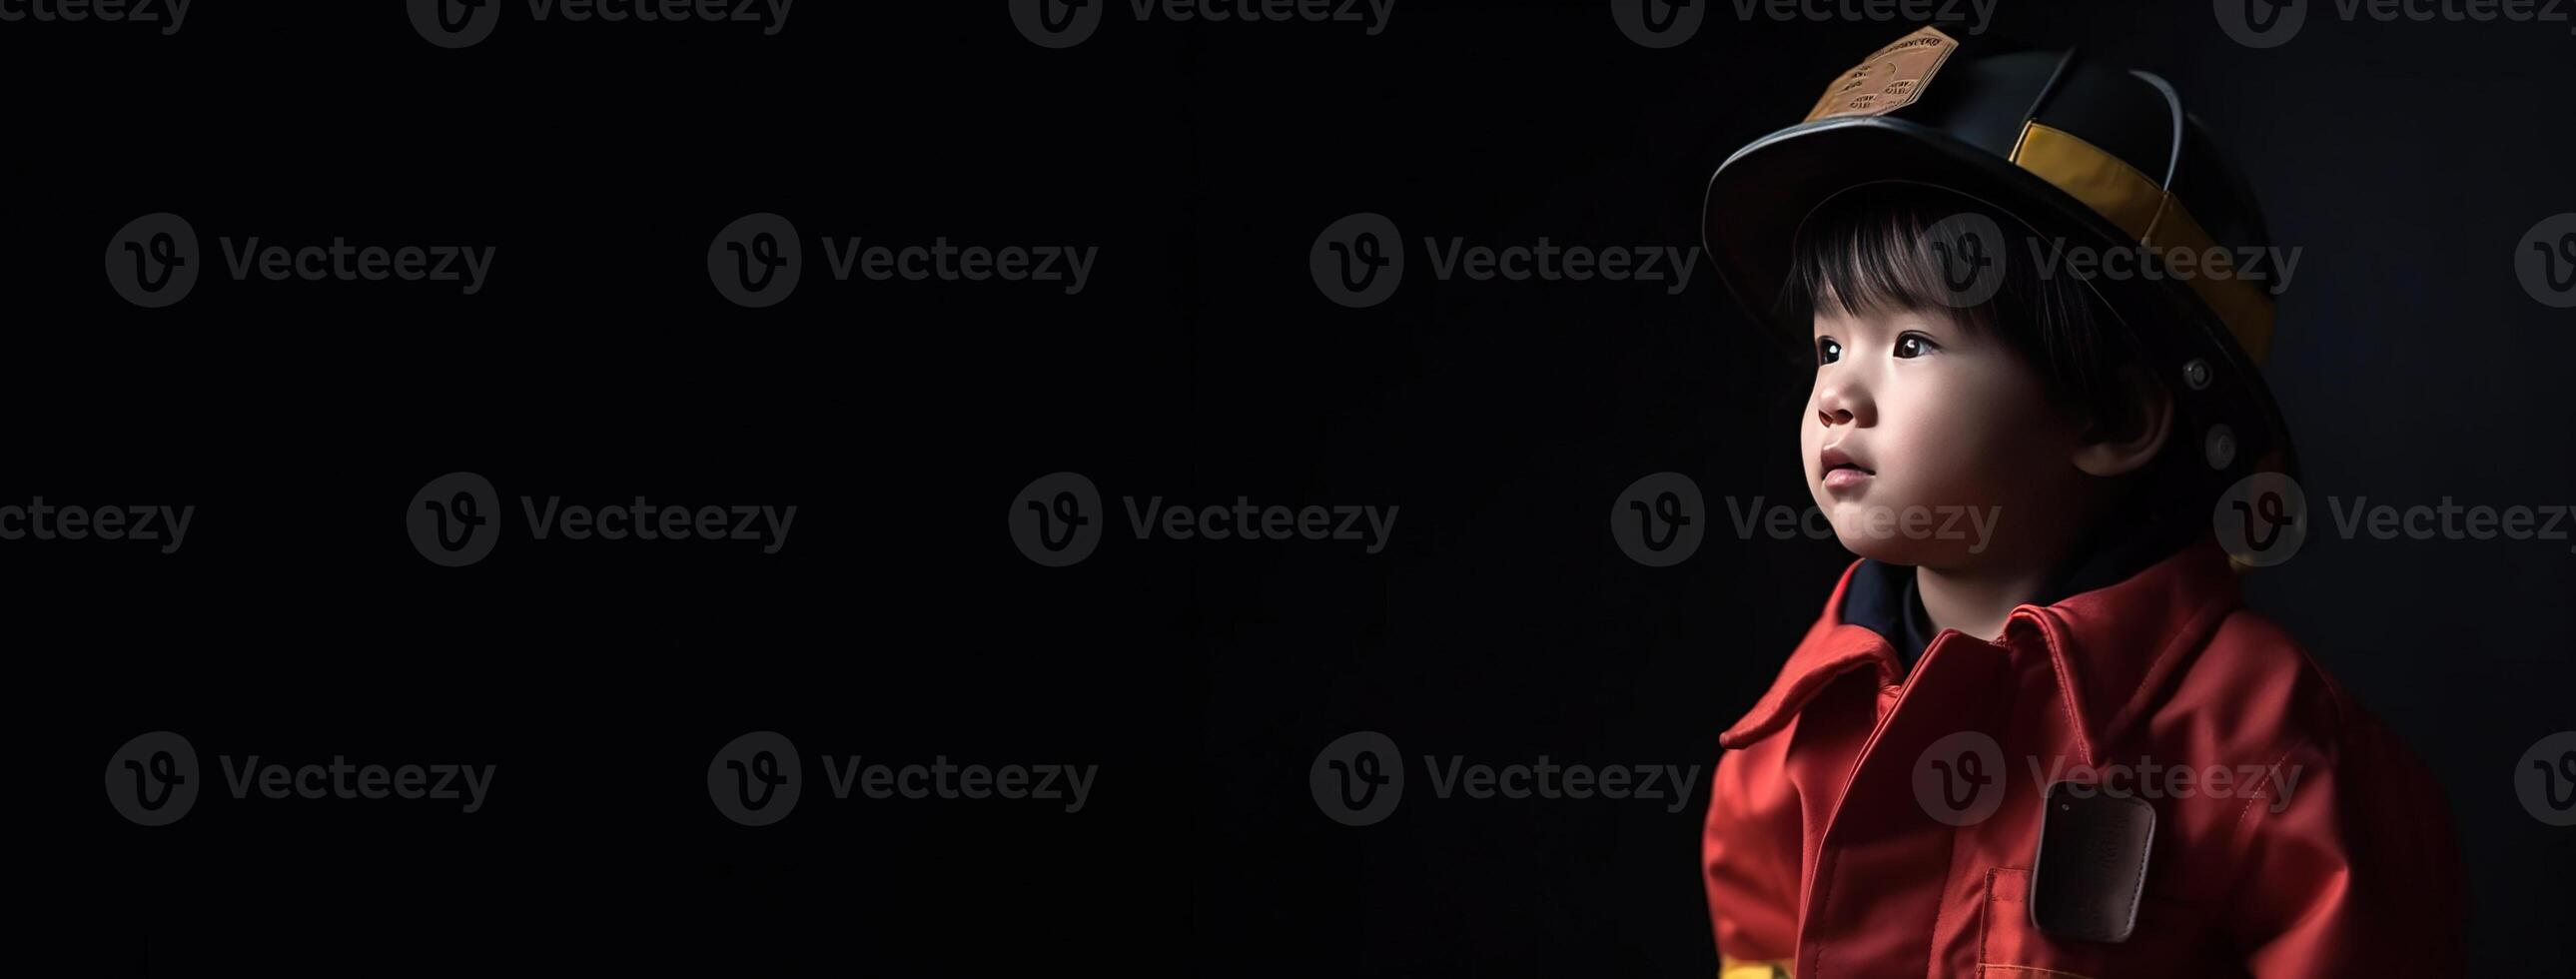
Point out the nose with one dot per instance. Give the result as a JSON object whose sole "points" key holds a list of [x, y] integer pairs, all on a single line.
{"points": [[1841, 401]]}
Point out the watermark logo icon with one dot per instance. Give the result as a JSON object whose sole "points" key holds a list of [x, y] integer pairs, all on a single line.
{"points": [[1358, 779], [1358, 261], [1056, 23], [2260, 24], [1056, 520], [2546, 779], [1658, 23], [454, 520], [153, 779], [1659, 520], [2545, 260], [756, 778], [1959, 779], [755, 261], [2262, 519], [153, 260], [455, 23], [1969, 248]]}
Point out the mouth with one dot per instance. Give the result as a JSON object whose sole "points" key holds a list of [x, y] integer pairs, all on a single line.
{"points": [[1841, 471]]}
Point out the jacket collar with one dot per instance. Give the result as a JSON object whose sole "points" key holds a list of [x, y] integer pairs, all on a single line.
{"points": [[2110, 646]]}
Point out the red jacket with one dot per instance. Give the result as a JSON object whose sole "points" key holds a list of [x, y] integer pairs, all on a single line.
{"points": [[1822, 856]]}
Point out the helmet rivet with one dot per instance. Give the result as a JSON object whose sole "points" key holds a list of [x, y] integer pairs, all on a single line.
{"points": [[2221, 446], [2196, 374]]}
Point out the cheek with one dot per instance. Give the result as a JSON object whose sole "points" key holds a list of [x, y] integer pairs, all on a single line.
{"points": [[1811, 434], [1970, 437]]}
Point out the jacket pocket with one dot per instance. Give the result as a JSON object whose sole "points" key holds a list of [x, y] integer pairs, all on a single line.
{"points": [[2168, 940]]}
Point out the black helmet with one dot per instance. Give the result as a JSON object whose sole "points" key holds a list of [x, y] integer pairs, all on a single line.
{"points": [[2077, 152]]}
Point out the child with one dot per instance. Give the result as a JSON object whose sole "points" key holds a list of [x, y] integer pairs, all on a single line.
{"points": [[2225, 809]]}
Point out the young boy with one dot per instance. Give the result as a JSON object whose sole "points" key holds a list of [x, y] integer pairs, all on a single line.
{"points": [[2061, 747]]}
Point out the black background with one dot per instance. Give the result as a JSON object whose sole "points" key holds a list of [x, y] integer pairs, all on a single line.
{"points": [[1200, 364]]}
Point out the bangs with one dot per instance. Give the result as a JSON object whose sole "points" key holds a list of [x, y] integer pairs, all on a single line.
{"points": [[1870, 251]]}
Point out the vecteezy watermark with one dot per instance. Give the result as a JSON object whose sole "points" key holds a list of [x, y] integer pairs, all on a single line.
{"points": [[2448, 520], [757, 261], [1244, 521], [154, 780], [2545, 778], [1968, 249], [1658, 520], [1065, 23], [1358, 261], [1359, 778], [2262, 24], [154, 261], [756, 780], [1056, 520], [1959, 780], [455, 520], [169, 14], [2268, 267], [465, 23], [1658, 23], [1868, 521], [1665, 23], [2545, 261], [150, 523], [2264, 518], [2149, 779]]}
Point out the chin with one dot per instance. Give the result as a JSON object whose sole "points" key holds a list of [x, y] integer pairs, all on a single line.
{"points": [[1882, 550], [1887, 541], [1850, 519]]}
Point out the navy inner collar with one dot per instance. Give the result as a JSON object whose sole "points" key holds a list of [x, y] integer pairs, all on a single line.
{"points": [[1882, 596]]}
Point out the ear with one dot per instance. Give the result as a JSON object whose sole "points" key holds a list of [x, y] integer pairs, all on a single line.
{"points": [[2112, 449]]}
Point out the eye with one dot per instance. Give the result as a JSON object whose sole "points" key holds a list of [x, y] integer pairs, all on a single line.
{"points": [[1828, 350], [1915, 345]]}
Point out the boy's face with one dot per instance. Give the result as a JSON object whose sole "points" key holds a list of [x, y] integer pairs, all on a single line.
{"points": [[1918, 423]]}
